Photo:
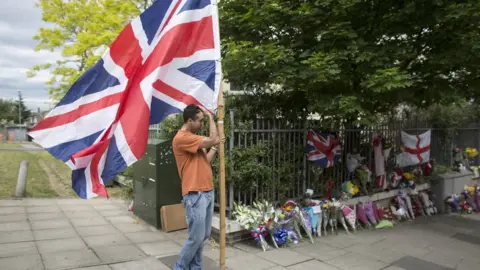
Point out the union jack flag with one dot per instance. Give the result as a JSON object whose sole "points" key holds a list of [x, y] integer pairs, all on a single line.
{"points": [[323, 149], [163, 60]]}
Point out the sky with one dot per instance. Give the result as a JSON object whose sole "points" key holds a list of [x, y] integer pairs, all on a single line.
{"points": [[19, 22]]}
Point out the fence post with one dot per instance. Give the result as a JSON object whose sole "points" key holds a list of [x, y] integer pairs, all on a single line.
{"points": [[305, 131], [478, 144], [230, 155], [22, 179]]}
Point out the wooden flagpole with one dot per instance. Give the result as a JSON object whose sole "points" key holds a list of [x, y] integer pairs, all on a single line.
{"points": [[221, 149]]}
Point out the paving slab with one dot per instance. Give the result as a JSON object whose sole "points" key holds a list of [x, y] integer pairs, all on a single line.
{"points": [[17, 249], [12, 210], [50, 234], [65, 201], [106, 207], [412, 247], [96, 230], [312, 264], [46, 216], [82, 214], [393, 267], [77, 207], [249, 261], [468, 238], [321, 251], [382, 254], [88, 221], [284, 257], [160, 248], [27, 262], [50, 224], [130, 227], [412, 263], [468, 265], [13, 218], [58, 245], [214, 253], [70, 259], [14, 226], [146, 237], [150, 263], [43, 209], [442, 258], [106, 239], [15, 236], [354, 261], [120, 253], [4, 203], [121, 219], [111, 213], [38, 202], [98, 267], [207, 263]]}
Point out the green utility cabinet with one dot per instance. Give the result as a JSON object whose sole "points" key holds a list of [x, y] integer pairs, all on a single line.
{"points": [[156, 181]]}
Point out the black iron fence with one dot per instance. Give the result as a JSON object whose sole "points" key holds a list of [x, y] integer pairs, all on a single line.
{"points": [[267, 160], [275, 152]]}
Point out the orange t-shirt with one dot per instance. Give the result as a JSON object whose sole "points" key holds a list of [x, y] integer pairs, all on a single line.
{"points": [[193, 167]]}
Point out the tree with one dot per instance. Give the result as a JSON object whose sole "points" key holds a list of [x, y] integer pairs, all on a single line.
{"points": [[353, 58], [9, 110], [82, 30]]}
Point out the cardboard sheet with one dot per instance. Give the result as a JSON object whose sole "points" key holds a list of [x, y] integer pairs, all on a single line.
{"points": [[173, 217]]}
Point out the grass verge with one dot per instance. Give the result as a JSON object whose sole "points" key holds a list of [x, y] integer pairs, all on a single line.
{"points": [[37, 180], [47, 176], [64, 177], [9, 145]]}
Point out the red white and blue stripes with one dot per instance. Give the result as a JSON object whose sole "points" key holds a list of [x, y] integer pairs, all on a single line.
{"points": [[165, 59]]}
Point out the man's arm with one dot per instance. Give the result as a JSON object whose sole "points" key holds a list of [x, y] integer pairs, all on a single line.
{"points": [[211, 153], [213, 139]]}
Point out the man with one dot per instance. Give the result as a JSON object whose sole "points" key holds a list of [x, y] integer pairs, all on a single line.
{"points": [[195, 172]]}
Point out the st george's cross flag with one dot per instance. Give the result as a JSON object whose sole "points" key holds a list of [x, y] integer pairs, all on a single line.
{"points": [[163, 60], [416, 149]]}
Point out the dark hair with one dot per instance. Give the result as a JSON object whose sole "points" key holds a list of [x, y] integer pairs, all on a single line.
{"points": [[190, 112]]}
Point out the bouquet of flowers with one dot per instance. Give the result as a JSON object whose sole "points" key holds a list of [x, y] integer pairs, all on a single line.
{"points": [[471, 152], [257, 219], [284, 227], [350, 189], [294, 217]]}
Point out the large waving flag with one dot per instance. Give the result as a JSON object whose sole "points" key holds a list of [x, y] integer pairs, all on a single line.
{"points": [[166, 58]]}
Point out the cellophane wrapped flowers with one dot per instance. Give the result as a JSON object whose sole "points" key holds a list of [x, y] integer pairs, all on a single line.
{"points": [[256, 219]]}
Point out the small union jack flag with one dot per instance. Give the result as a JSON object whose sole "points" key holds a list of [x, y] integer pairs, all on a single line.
{"points": [[163, 60], [323, 149]]}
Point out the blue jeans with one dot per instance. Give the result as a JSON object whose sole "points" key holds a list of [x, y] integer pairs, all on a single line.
{"points": [[199, 212]]}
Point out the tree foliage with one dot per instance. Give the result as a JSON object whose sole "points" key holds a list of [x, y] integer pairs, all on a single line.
{"points": [[81, 30], [353, 57], [9, 110]]}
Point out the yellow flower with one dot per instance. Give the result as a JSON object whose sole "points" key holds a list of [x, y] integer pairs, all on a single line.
{"points": [[355, 190], [470, 190], [471, 152], [408, 176]]}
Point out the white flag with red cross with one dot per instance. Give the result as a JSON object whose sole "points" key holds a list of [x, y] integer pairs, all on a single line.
{"points": [[416, 149]]}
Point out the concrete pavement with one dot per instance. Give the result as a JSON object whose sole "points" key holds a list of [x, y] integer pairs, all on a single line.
{"points": [[100, 234]]}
